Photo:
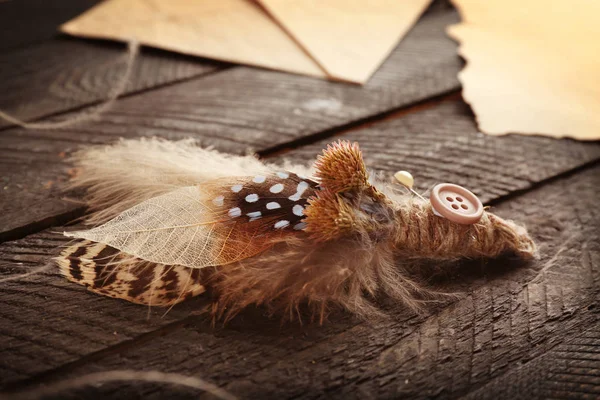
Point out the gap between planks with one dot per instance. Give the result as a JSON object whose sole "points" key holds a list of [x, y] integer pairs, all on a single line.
{"points": [[53, 374], [537, 184], [360, 123]]}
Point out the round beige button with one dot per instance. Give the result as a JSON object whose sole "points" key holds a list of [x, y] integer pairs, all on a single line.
{"points": [[456, 204]]}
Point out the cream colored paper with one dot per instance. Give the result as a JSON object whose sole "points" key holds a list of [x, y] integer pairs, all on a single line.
{"points": [[533, 67], [336, 39], [237, 31], [349, 39]]}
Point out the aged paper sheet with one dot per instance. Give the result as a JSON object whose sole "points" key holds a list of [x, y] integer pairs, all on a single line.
{"points": [[349, 39], [533, 67]]}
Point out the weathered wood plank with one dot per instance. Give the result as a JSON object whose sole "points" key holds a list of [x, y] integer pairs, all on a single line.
{"points": [[571, 370], [234, 110], [424, 64], [24, 22], [66, 73], [502, 322]]}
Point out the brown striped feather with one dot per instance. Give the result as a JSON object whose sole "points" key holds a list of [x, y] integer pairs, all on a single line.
{"points": [[107, 271]]}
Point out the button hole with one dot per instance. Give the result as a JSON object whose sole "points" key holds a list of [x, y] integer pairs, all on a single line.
{"points": [[450, 199], [455, 206], [459, 199], [464, 207]]}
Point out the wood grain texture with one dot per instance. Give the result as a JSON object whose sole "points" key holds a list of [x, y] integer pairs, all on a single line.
{"points": [[518, 330], [64, 74], [235, 110], [571, 370], [510, 314], [24, 22]]}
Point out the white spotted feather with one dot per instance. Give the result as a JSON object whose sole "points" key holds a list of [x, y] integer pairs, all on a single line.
{"points": [[129, 172]]}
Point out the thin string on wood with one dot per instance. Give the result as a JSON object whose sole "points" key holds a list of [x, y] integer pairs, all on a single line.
{"points": [[115, 92], [43, 268], [158, 377]]}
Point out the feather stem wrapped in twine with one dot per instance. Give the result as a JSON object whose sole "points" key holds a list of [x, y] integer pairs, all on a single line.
{"points": [[422, 234]]}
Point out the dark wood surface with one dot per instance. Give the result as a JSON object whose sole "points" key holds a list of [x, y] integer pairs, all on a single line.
{"points": [[26, 22], [517, 331], [68, 73]]}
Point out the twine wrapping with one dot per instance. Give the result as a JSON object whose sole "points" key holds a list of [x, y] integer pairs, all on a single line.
{"points": [[422, 234]]}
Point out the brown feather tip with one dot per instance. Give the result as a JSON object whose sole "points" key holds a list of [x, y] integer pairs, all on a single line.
{"points": [[328, 217], [341, 168], [347, 203], [107, 271]]}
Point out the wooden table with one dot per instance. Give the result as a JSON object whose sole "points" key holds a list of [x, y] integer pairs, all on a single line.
{"points": [[519, 331]]}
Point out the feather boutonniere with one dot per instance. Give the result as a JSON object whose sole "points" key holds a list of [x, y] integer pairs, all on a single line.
{"points": [[172, 220]]}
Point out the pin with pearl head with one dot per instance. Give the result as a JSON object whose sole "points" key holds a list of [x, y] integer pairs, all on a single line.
{"points": [[406, 179], [449, 201]]}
